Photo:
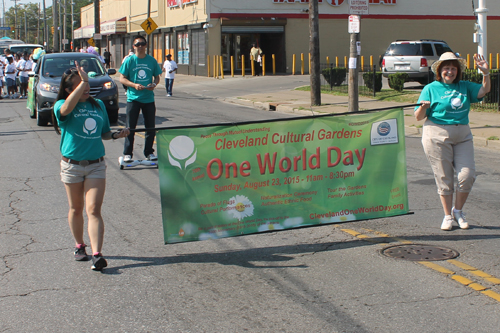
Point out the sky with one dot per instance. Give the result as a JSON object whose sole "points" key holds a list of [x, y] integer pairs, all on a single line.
{"points": [[10, 3]]}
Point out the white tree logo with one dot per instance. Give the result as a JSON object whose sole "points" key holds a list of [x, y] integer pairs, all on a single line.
{"points": [[181, 152], [90, 126], [141, 74]]}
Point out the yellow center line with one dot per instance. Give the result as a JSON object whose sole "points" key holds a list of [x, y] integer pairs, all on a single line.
{"points": [[438, 268]]}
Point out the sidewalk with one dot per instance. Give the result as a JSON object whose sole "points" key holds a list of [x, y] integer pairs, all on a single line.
{"points": [[483, 125]]}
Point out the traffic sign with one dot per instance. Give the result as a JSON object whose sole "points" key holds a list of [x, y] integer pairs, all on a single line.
{"points": [[97, 37], [354, 24], [65, 41], [4, 28], [91, 41], [149, 25], [358, 7]]}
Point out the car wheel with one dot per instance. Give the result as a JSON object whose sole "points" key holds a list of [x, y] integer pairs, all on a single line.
{"points": [[113, 116], [40, 120]]}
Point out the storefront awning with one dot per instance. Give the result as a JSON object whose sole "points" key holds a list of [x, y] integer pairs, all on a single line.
{"points": [[84, 32], [116, 26]]}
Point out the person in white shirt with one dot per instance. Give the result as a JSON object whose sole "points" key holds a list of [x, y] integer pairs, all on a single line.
{"points": [[169, 67], [24, 66], [2, 68], [10, 77]]}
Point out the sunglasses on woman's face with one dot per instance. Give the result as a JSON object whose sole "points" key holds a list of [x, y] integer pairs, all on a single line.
{"points": [[140, 44]]}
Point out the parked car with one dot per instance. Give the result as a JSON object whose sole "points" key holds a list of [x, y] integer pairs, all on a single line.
{"points": [[44, 84], [414, 57]]}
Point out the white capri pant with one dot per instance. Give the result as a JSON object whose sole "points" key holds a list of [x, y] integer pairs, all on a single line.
{"points": [[449, 148]]}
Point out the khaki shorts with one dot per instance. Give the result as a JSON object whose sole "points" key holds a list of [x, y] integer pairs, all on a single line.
{"points": [[73, 173], [449, 149]]}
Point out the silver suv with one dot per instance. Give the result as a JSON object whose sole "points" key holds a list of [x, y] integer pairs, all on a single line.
{"points": [[414, 57]]}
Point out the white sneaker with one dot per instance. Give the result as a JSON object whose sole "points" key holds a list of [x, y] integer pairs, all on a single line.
{"points": [[127, 158], [169, 95], [447, 222], [459, 216], [152, 157]]}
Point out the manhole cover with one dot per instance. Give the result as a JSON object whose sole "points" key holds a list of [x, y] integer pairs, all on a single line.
{"points": [[420, 252]]}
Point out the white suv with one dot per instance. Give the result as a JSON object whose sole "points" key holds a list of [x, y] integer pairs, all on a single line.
{"points": [[414, 57]]}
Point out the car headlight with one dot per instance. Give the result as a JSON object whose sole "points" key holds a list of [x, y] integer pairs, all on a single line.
{"points": [[108, 85], [49, 87]]}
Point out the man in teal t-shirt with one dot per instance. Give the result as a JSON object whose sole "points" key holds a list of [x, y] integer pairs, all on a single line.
{"points": [[140, 73]]}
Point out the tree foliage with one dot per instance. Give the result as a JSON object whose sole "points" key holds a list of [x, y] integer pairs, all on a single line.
{"points": [[30, 20]]}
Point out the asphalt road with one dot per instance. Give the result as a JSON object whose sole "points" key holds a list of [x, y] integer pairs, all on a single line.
{"points": [[323, 279]]}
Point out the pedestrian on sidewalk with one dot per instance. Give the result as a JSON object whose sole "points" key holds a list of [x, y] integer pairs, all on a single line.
{"points": [[169, 67], [140, 73], [255, 54], [446, 137], [83, 123]]}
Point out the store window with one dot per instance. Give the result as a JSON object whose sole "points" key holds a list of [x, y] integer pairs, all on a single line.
{"points": [[183, 48], [169, 46]]}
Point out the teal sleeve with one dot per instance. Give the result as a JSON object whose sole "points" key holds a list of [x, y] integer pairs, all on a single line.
{"points": [[472, 91], [105, 124]]}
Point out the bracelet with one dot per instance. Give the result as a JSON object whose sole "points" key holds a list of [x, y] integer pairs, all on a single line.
{"points": [[113, 136], [486, 74]]}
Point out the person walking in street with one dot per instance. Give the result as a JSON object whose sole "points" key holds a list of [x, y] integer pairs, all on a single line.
{"points": [[10, 77], [140, 73], [446, 137], [24, 66], [107, 59], [255, 54], [169, 67], [83, 123]]}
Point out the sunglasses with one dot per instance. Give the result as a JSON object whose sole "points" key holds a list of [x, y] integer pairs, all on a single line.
{"points": [[140, 44], [70, 70]]}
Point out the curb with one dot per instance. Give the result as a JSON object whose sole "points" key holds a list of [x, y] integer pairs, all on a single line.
{"points": [[290, 108]]}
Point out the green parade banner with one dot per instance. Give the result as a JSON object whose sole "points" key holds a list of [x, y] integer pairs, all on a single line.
{"points": [[229, 180]]}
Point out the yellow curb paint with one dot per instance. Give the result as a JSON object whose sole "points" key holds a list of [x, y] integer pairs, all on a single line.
{"points": [[492, 294], [351, 232], [477, 286], [463, 280], [436, 267], [480, 274], [493, 280], [462, 265], [362, 236]]}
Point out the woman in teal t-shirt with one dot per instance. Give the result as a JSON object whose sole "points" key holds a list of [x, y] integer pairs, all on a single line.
{"points": [[446, 137], [84, 124]]}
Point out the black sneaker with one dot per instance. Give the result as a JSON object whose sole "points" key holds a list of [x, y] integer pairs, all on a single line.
{"points": [[81, 254], [98, 262]]}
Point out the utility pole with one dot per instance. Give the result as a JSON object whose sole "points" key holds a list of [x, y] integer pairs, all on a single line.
{"points": [[55, 20], [45, 31], [481, 28], [97, 24], [72, 26], [64, 24], [353, 72], [314, 74], [148, 35]]}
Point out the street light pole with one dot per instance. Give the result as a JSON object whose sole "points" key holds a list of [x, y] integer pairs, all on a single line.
{"points": [[482, 14]]}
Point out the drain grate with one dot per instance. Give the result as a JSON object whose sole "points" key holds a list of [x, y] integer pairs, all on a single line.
{"points": [[419, 252]]}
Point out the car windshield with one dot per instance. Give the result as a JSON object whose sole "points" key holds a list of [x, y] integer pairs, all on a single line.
{"points": [[54, 67], [442, 48], [409, 49]]}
